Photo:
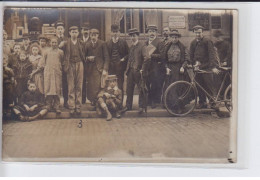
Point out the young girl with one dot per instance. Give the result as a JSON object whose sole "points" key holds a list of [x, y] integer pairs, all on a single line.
{"points": [[52, 75], [22, 69], [37, 65]]}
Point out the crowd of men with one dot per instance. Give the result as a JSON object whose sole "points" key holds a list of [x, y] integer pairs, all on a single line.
{"points": [[82, 67]]}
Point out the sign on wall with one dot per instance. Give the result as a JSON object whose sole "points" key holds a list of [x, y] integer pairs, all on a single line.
{"points": [[176, 21]]}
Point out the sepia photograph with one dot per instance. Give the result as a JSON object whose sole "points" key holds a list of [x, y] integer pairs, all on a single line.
{"points": [[119, 85]]}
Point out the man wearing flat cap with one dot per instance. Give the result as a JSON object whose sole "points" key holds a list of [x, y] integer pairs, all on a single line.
{"points": [[154, 80], [136, 65], [26, 43], [118, 51], [85, 30], [59, 25], [73, 65], [203, 56], [97, 62]]}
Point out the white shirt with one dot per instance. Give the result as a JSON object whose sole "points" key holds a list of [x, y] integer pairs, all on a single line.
{"points": [[74, 42], [151, 40], [135, 43], [115, 40], [85, 39]]}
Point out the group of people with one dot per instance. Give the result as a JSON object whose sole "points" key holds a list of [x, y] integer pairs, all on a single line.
{"points": [[81, 68]]}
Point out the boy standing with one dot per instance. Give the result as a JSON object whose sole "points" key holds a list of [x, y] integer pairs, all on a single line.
{"points": [[73, 66], [53, 75]]}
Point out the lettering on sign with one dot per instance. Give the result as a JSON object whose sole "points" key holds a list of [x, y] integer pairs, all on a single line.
{"points": [[176, 21]]}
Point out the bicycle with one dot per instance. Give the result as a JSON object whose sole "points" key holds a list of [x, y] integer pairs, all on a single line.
{"points": [[181, 97]]}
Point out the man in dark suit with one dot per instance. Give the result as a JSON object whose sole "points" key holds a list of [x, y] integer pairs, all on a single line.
{"points": [[59, 25], [155, 77], [118, 51], [97, 62], [203, 56], [137, 64], [73, 66], [84, 39]]}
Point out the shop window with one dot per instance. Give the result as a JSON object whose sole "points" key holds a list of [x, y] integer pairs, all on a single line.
{"points": [[20, 32], [201, 19], [215, 22]]}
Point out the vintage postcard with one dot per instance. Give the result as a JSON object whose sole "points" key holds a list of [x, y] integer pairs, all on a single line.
{"points": [[125, 85]]}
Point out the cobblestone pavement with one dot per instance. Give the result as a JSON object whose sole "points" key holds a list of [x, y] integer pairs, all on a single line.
{"points": [[127, 139]]}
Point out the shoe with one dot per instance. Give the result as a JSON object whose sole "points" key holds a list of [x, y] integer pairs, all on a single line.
{"points": [[141, 110], [58, 111], [78, 111], [109, 115], [201, 106], [118, 115], [125, 109]]}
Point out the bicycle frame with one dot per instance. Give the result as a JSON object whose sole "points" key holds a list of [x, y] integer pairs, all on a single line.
{"points": [[215, 99]]}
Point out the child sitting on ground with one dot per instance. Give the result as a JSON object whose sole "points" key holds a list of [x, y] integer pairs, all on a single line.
{"points": [[109, 99], [31, 105]]}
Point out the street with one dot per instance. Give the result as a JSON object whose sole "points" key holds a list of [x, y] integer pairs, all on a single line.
{"points": [[135, 139]]}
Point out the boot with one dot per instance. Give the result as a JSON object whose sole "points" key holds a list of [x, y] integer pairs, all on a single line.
{"points": [[118, 115], [108, 114]]}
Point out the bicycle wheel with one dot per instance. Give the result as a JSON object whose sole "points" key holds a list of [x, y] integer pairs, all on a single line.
{"points": [[228, 98], [180, 98]]}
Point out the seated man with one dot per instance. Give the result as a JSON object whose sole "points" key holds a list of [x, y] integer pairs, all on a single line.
{"points": [[110, 99], [31, 105]]}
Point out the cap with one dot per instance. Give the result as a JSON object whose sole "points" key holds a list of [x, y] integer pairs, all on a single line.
{"points": [[217, 33], [198, 27], [133, 31], [43, 37], [85, 26], [174, 32], [111, 77], [59, 23], [114, 27], [73, 28], [152, 27], [94, 31], [26, 36]]}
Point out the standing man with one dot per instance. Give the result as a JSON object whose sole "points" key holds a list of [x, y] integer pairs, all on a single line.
{"points": [[84, 39], [26, 44], [118, 51], [73, 66], [59, 25], [137, 64], [6, 47], [202, 55], [97, 62], [154, 81]]}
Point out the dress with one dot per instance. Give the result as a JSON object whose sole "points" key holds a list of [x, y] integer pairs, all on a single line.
{"points": [[53, 72], [37, 63]]}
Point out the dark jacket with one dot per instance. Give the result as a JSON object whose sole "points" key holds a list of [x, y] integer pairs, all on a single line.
{"points": [[68, 54], [123, 50], [32, 98], [224, 52], [184, 56], [204, 52], [156, 56], [22, 69], [138, 58], [12, 60], [100, 52]]}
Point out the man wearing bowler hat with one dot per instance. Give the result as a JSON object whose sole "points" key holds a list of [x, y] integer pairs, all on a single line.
{"points": [[136, 65], [73, 66], [59, 25], [118, 51], [84, 39], [202, 55], [97, 61], [155, 76]]}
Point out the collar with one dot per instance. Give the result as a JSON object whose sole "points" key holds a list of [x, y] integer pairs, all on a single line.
{"points": [[85, 39], [115, 40], [151, 39], [60, 36], [94, 42], [74, 42], [135, 43], [200, 39], [115, 88]]}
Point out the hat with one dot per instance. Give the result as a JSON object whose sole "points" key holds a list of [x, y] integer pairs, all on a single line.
{"points": [[111, 77], [42, 37], [73, 28], [35, 42], [114, 27], [198, 27], [152, 27], [85, 26], [174, 32], [133, 31], [217, 33], [94, 31], [59, 23], [26, 36]]}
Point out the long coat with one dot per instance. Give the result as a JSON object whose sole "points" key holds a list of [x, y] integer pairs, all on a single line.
{"points": [[95, 68], [53, 71]]}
